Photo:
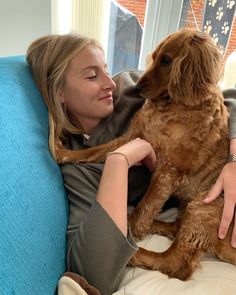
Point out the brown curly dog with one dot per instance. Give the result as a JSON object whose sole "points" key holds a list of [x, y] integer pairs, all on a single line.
{"points": [[185, 120]]}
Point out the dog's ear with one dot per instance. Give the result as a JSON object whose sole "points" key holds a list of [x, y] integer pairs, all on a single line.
{"points": [[196, 71]]}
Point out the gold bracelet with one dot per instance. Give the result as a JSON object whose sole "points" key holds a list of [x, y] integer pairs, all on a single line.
{"points": [[119, 153]]}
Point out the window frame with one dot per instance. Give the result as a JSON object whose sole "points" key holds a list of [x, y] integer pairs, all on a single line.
{"points": [[161, 19]]}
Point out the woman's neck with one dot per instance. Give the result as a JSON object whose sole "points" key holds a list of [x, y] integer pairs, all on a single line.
{"points": [[87, 125]]}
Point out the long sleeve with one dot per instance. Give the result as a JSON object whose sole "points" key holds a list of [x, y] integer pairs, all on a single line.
{"points": [[230, 102], [97, 249]]}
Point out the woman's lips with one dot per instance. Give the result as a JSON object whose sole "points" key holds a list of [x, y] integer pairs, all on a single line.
{"points": [[106, 97]]}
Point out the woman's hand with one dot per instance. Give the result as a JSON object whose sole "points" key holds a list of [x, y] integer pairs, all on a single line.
{"points": [[226, 182], [138, 152]]}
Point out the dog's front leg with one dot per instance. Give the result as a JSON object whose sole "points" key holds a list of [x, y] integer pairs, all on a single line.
{"points": [[89, 155], [161, 188]]}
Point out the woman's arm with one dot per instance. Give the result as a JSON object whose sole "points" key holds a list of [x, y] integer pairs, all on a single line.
{"points": [[114, 181], [97, 231]]}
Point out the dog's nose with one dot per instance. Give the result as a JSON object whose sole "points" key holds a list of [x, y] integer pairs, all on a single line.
{"points": [[138, 86]]}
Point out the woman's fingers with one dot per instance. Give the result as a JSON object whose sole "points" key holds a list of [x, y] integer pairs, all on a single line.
{"points": [[139, 151], [215, 191], [226, 183], [226, 218]]}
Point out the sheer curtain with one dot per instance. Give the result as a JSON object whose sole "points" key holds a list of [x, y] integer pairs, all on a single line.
{"points": [[61, 16], [87, 17], [91, 17]]}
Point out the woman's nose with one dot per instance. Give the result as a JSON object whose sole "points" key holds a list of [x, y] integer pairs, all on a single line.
{"points": [[108, 82]]}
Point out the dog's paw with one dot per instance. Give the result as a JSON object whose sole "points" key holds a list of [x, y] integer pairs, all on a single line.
{"points": [[62, 159], [61, 156], [61, 153], [132, 261], [141, 231], [140, 226]]}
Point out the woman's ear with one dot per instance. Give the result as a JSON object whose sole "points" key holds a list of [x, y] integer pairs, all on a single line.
{"points": [[196, 71], [61, 96]]}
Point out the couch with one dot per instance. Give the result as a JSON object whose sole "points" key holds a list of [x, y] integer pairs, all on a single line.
{"points": [[34, 209]]}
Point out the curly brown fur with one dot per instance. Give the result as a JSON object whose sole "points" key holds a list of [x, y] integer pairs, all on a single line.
{"points": [[185, 120]]}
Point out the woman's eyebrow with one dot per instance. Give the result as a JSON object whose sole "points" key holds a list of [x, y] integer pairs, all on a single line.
{"points": [[92, 67]]}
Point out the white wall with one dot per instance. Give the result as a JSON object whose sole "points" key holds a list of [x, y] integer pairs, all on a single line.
{"points": [[22, 21]]}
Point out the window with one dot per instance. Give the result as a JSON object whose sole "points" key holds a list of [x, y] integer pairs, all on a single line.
{"points": [[130, 29], [216, 18], [125, 34]]}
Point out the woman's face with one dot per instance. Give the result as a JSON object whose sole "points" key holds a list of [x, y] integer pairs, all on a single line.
{"points": [[88, 88]]}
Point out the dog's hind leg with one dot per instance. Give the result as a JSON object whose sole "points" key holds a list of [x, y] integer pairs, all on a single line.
{"points": [[167, 229], [197, 234], [177, 261]]}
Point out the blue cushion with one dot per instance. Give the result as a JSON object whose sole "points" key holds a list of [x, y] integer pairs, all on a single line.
{"points": [[33, 207]]}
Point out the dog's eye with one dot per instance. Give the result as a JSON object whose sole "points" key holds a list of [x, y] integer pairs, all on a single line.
{"points": [[165, 60]]}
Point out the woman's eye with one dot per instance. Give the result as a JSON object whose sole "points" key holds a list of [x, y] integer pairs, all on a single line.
{"points": [[91, 77], [165, 60]]}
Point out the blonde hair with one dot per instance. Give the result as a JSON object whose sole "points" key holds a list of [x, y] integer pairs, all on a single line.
{"points": [[49, 59]]}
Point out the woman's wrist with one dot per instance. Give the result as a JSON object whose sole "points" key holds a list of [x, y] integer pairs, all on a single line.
{"points": [[120, 155], [233, 146], [113, 190]]}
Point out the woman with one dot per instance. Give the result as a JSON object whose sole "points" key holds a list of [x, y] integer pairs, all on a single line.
{"points": [[70, 71]]}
